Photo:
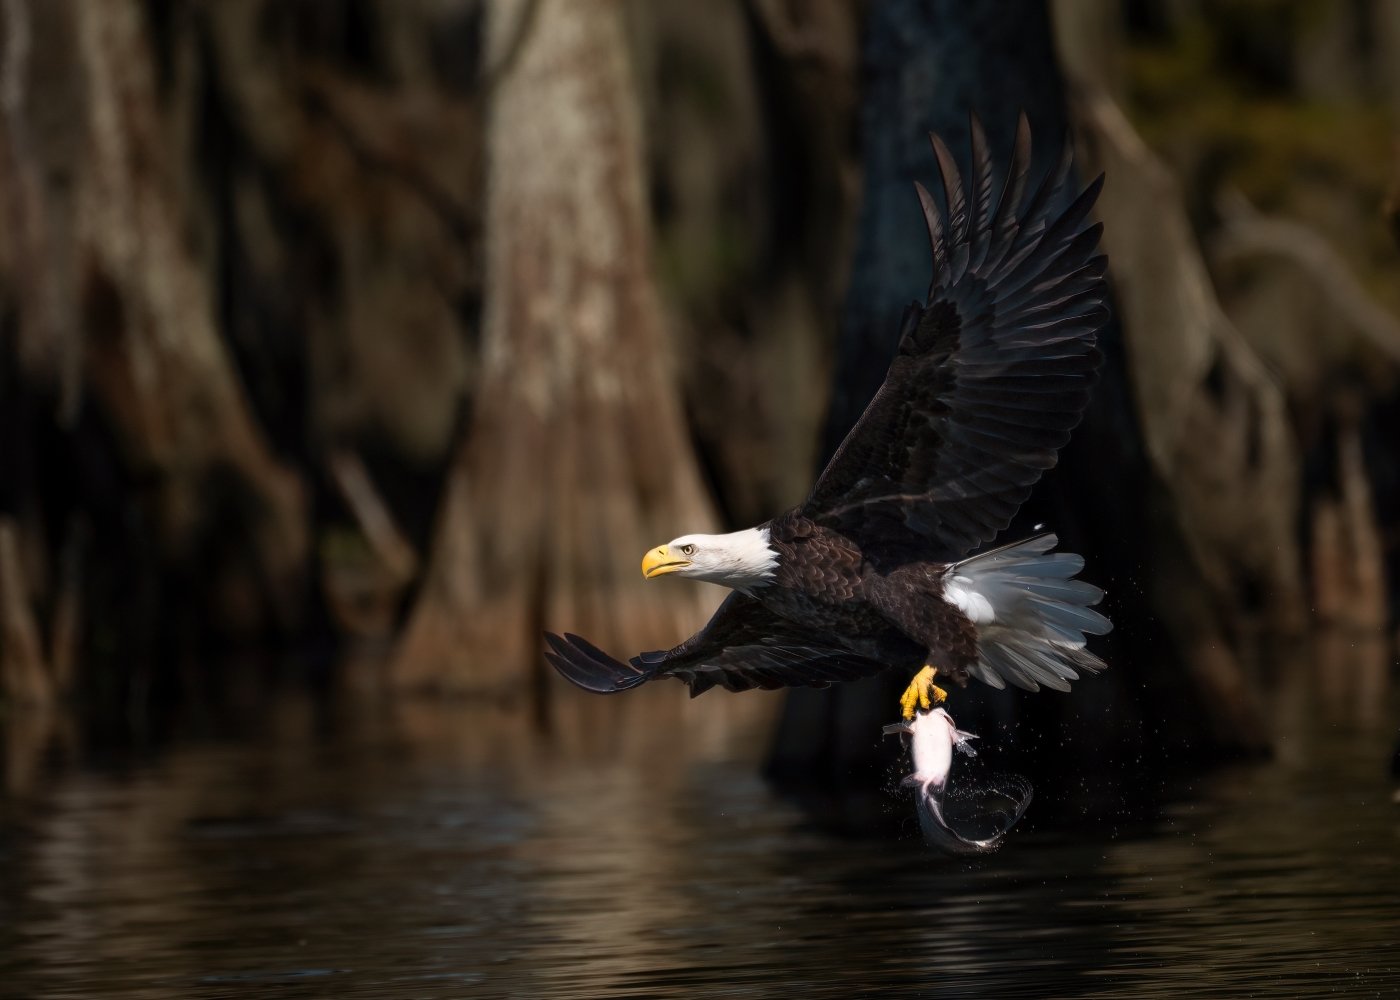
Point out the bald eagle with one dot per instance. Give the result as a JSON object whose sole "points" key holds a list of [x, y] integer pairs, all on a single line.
{"points": [[871, 572]]}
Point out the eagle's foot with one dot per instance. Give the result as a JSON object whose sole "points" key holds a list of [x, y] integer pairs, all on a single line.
{"points": [[922, 692]]}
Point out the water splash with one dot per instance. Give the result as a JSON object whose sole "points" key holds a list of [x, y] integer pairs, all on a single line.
{"points": [[974, 817]]}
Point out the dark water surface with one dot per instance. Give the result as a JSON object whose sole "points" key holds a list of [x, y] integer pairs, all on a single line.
{"points": [[442, 851]]}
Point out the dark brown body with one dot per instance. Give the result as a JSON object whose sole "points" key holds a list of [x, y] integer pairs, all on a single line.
{"points": [[896, 613]]}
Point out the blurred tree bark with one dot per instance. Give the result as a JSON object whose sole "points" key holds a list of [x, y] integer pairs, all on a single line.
{"points": [[163, 371], [1336, 352], [1391, 208], [754, 228], [1232, 504], [1292, 109], [202, 194], [24, 669], [1195, 377], [122, 400], [577, 459]]}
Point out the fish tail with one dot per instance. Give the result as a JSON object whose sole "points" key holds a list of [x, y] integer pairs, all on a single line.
{"points": [[928, 802]]}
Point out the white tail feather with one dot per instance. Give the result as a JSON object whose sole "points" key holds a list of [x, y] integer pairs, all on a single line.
{"points": [[1030, 612]]}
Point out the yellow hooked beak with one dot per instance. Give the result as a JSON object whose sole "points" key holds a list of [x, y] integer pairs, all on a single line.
{"points": [[659, 562]]}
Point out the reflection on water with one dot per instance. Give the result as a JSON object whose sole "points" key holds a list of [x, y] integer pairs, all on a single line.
{"points": [[444, 851]]}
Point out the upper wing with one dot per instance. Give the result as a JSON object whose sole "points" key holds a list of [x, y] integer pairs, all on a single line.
{"points": [[991, 374], [743, 646]]}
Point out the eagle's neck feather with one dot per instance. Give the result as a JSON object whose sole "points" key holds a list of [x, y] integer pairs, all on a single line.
{"points": [[748, 559]]}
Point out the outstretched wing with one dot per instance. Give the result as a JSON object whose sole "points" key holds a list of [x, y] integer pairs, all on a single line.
{"points": [[743, 646], [992, 372]]}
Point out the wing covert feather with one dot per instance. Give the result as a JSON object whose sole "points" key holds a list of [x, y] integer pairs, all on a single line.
{"points": [[743, 646]]}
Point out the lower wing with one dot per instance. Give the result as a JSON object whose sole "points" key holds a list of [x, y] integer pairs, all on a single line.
{"points": [[743, 646]]}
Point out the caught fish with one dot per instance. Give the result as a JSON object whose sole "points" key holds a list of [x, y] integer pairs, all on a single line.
{"points": [[933, 736]]}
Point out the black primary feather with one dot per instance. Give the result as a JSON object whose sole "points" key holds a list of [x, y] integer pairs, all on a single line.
{"points": [[990, 375]]}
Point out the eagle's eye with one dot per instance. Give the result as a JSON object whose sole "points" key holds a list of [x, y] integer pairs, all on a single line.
{"points": [[688, 550]]}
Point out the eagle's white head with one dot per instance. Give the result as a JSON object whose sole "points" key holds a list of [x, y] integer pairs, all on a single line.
{"points": [[741, 560]]}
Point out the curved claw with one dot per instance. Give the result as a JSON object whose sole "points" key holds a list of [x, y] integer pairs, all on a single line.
{"points": [[922, 692]]}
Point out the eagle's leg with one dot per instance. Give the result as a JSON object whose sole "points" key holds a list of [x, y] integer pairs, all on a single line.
{"points": [[922, 692]]}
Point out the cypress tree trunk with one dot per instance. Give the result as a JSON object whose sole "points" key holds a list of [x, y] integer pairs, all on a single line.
{"points": [[577, 459], [128, 445], [168, 378]]}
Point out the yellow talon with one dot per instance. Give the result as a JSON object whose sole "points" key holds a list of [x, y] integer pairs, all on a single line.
{"points": [[922, 692]]}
